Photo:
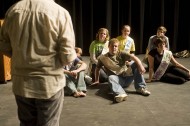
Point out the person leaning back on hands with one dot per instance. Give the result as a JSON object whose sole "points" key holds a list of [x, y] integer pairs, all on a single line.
{"points": [[164, 67], [38, 35], [120, 75]]}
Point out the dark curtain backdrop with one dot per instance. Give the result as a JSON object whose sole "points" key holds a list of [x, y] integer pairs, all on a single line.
{"points": [[144, 16]]}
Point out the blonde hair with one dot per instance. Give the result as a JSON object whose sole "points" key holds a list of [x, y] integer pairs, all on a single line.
{"points": [[162, 28], [112, 41], [107, 34]]}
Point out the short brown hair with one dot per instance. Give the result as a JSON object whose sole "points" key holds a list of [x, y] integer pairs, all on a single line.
{"points": [[159, 40]]}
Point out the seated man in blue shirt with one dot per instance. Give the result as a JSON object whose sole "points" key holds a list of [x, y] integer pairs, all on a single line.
{"points": [[75, 82]]}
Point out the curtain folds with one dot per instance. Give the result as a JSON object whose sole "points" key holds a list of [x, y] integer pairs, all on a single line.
{"points": [[144, 16]]}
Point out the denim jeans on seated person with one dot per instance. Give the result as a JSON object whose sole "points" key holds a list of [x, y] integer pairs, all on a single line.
{"points": [[75, 84], [117, 82]]}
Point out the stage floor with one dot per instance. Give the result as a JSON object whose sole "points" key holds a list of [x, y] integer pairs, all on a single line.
{"points": [[168, 105]]}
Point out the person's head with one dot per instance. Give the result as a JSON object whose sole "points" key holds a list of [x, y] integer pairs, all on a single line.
{"points": [[161, 31], [160, 42], [113, 46], [125, 31], [78, 51], [102, 35]]}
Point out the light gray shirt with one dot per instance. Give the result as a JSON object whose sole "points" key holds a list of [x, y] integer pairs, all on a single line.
{"points": [[38, 36]]}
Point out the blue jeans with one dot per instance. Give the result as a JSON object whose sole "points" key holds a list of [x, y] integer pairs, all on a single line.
{"points": [[117, 82], [73, 85]]}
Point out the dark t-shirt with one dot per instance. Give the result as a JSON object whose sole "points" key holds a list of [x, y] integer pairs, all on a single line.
{"points": [[157, 58]]}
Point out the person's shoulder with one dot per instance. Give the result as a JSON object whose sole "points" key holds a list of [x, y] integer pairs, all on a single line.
{"points": [[119, 37], [130, 39], [53, 9], [166, 37], [168, 51], [153, 36], [77, 59], [93, 42], [103, 56]]}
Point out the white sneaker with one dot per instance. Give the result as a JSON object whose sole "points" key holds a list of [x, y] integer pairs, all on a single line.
{"points": [[143, 91], [120, 98], [88, 79]]}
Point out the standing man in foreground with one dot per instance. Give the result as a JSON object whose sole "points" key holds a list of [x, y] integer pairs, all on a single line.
{"points": [[121, 75], [38, 36]]}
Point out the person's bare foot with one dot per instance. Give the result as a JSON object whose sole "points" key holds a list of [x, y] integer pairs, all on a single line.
{"points": [[82, 94], [76, 94]]}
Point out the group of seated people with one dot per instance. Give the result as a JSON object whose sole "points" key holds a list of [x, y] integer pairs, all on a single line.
{"points": [[114, 61]]}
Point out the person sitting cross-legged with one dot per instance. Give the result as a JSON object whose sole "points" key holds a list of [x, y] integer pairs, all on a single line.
{"points": [[75, 83], [121, 75]]}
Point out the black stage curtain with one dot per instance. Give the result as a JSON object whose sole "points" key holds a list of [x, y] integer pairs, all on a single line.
{"points": [[144, 16]]}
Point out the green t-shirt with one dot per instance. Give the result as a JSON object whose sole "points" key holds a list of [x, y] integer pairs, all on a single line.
{"points": [[96, 48]]}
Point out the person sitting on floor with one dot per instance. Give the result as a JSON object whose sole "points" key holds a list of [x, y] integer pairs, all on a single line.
{"points": [[78, 51], [87, 78], [161, 31], [164, 67], [126, 42], [98, 47], [121, 75], [74, 73]]}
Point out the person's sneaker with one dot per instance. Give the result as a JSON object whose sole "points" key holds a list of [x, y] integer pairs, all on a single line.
{"points": [[143, 91], [88, 79], [120, 98]]}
